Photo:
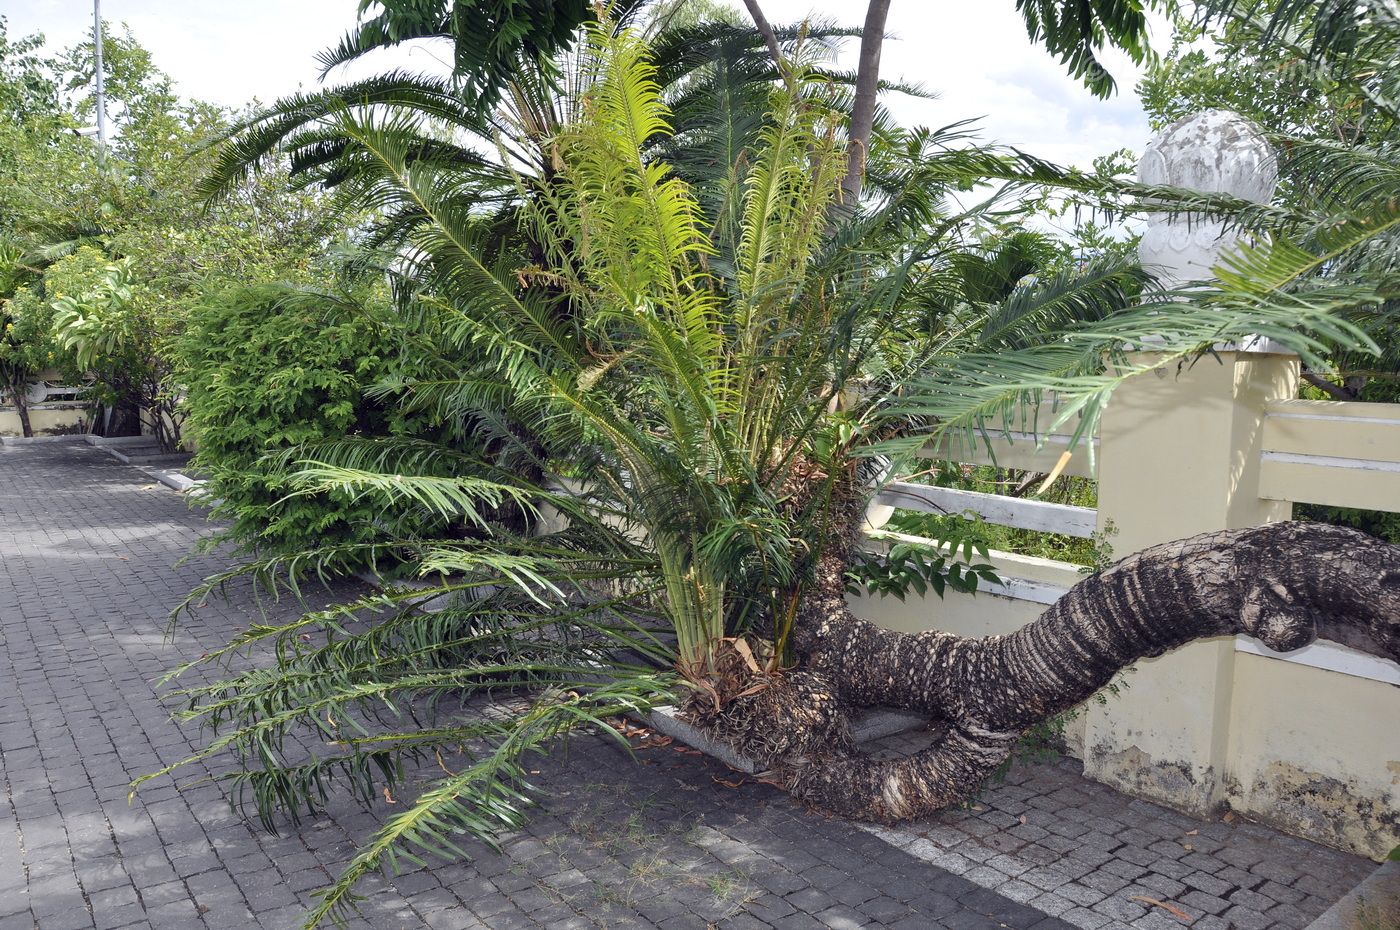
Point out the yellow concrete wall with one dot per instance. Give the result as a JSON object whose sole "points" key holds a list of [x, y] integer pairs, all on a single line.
{"points": [[45, 419], [1316, 753], [966, 615], [1311, 750]]}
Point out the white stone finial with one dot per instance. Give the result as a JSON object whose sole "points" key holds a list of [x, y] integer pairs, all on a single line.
{"points": [[1214, 151]]}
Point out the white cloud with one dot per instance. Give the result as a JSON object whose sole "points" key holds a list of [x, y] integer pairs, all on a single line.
{"points": [[975, 57]]}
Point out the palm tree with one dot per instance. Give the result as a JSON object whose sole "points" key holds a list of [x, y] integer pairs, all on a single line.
{"points": [[713, 367]]}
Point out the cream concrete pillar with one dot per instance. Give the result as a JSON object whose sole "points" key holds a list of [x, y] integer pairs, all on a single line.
{"points": [[1180, 455]]}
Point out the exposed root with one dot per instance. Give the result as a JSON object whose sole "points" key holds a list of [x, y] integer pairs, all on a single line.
{"points": [[779, 719], [888, 791]]}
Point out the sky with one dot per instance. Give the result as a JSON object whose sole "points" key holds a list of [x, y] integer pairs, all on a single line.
{"points": [[974, 56]]}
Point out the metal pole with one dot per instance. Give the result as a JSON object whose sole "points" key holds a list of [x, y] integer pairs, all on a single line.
{"points": [[101, 91]]}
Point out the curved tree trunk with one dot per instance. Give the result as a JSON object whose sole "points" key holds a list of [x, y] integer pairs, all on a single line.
{"points": [[1285, 584], [16, 385], [22, 410]]}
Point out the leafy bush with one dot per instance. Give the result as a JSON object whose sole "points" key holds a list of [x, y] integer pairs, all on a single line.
{"points": [[273, 368]]}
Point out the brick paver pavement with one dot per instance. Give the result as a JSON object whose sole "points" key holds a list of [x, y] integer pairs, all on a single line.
{"points": [[671, 840], [86, 581], [1078, 849]]}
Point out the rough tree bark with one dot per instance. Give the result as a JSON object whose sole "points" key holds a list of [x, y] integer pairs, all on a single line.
{"points": [[22, 410], [867, 88], [1285, 584], [17, 387], [872, 40]]}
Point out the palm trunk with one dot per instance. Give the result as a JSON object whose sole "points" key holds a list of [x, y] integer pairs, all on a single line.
{"points": [[1285, 584], [872, 40]]}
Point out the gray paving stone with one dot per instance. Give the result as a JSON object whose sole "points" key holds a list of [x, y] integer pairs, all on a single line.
{"points": [[1120, 908], [82, 658], [1244, 918], [1289, 917], [1206, 903], [1082, 895], [1052, 904], [1085, 919]]}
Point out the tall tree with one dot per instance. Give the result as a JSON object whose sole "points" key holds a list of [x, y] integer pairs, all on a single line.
{"points": [[1073, 31], [713, 366]]}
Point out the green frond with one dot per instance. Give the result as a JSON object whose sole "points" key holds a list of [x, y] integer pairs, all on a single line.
{"points": [[490, 796]]}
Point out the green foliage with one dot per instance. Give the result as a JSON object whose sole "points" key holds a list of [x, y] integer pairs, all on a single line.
{"points": [[91, 304], [923, 566], [130, 221], [27, 347], [1379, 523], [988, 479], [405, 691], [1076, 32], [715, 352], [491, 39], [29, 90], [274, 368], [1236, 69], [1319, 77]]}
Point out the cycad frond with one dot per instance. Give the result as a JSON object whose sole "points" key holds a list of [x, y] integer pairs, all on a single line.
{"points": [[1039, 310]]}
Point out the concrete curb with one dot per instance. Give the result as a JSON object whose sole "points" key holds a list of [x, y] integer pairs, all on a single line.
{"points": [[140, 458], [28, 440], [1381, 889], [117, 440], [873, 725], [666, 720], [172, 478]]}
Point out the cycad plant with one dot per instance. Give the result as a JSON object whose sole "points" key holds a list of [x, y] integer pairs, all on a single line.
{"points": [[711, 376]]}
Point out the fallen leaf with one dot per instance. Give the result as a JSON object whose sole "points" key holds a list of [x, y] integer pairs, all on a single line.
{"points": [[1229, 817], [1172, 908], [389, 797], [746, 654], [1192, 832], [728, 784], [1022, 818], [1188, 847]]}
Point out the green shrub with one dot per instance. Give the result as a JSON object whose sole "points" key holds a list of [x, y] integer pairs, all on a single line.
{"points": [[274, 368]]}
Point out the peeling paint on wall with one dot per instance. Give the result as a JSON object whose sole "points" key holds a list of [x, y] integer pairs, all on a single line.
{"points": [[1172, 782], [1325, 809]]}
